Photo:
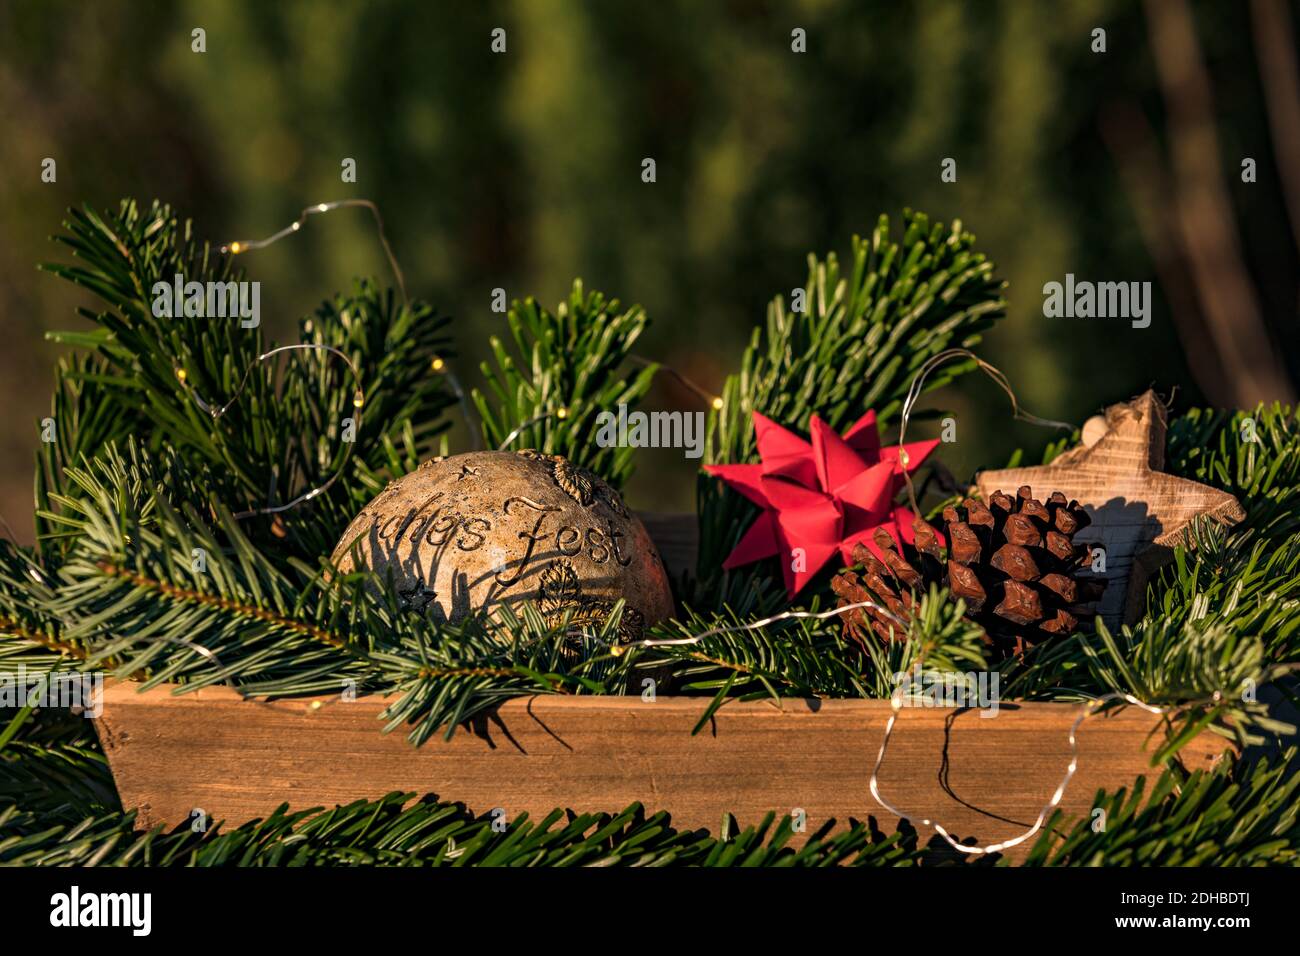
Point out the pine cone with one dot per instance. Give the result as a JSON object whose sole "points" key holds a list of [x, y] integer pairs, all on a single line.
{"points": [[1014, 562]]}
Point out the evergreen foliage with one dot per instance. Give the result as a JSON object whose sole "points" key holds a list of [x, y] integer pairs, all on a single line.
{"points": [[1237, 815], [144, 376], [567, 373], [146, 569]]}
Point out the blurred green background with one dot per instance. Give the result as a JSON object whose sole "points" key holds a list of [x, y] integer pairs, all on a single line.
{"points": [[522, 170]]}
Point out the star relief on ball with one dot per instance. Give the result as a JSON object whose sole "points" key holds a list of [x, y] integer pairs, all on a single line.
{"points": [[821, 496]]}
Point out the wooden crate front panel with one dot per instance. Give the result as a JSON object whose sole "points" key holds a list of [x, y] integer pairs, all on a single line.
{"points": [[983, 778]]}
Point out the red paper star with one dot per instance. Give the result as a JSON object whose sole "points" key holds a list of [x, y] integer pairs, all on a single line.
{"points": [[822, 496]]}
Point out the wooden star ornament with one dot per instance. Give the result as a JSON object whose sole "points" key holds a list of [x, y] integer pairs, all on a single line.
{"points": [[1138, 512]]}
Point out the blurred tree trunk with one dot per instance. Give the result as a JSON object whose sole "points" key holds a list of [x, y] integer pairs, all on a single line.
{"points": [[1273, 31], [1204, 219]]}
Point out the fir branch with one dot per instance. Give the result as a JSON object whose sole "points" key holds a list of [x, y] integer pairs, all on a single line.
{"points": [[565, 375], [132, 594], [797, 657], [1254, 455], [238, 608], [863, 333], [60, 781], [940, 638], [12, 629], [154, 591], [29, 635], [449, 676], [1207, 671], [388, 832], [1240, 814], [1234, 578], [284, 434]]}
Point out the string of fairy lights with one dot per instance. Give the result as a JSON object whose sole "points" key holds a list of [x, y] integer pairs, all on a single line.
{"points": [[897, 698], [438, 364], [914, 393], [216, 412]]}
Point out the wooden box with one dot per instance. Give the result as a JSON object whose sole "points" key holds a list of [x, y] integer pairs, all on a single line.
{"points": [[985, 778]]}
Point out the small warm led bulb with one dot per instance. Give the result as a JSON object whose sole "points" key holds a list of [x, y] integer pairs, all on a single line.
{"points": [[236, 248], [358, 400], [180, 374], [717, 403], [562, 412], [438, 364]]}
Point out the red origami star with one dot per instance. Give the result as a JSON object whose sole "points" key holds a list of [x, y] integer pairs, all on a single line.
{"points": [[827, 495]]}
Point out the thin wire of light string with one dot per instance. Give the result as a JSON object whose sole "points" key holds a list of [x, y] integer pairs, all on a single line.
{"points": [[216, 412], [914, 393], [1072, 765], [766, 622], [699, 390], [896, 698], [240, 246]]}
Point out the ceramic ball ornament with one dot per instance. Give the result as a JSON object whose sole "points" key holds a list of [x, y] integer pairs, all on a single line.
{"points": [[483, 529]]}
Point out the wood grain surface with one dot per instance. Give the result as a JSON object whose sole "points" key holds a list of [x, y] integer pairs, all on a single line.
{"points": [[984, 778]]}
